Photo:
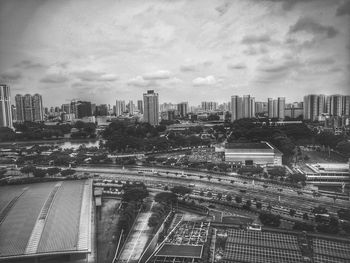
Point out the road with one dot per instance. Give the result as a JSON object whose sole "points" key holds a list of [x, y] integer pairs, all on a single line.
{"points": [[286, 199]]}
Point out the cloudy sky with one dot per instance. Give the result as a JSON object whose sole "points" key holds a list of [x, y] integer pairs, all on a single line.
{"points": [[185, 50]]}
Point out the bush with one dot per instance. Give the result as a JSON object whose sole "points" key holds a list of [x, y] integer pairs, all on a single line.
{"points": [[270, 219]]}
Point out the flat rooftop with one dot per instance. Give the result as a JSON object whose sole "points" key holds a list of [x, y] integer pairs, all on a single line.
{"points": [[187, 251], [45, 219], [247, 145]]}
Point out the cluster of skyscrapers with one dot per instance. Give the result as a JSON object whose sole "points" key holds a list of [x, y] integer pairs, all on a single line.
{"points": [[317, 106], [28, 108]]}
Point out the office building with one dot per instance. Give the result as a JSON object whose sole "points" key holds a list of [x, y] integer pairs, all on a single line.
{"points": [[101, 110], [66, 108], [140, 106], [151, 107], [84, 109], [182, 109], [5, 106]]}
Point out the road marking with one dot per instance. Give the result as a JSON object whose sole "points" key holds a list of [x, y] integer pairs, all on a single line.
{"points": [[143, 228]]}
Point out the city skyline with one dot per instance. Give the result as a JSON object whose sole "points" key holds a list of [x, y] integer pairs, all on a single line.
{"points": [[184, 50]]}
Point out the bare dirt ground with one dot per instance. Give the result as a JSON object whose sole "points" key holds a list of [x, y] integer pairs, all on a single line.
{"points": [[106, 241]]}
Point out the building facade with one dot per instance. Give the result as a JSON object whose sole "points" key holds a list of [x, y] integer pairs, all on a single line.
{"points": [[252, 153], [5, 107], [151, 107], [182, 109]]}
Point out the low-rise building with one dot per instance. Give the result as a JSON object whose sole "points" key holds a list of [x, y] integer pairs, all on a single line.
{"points": [[262, 153]]}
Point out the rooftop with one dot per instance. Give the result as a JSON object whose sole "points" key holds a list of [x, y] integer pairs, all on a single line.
{"points": [[247, 145], [45, 218]]}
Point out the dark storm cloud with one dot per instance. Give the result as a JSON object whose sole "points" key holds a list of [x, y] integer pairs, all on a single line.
{"points": [[236, 66], [344, 9], [289, 4], [279, 67], [54, 78], [10, 75], [256, 39], [28, 64], [309, 25]]}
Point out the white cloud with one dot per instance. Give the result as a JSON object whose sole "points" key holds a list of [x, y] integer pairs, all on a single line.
{"points": [[54, 78], [206, 81], [160, 74]]}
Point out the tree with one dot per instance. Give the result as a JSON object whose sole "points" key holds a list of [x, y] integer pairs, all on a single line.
{"points": [[40, 173], [305, 216], [247, 205], [2, 172], [228, 198], [270, 219], [258, 205], [165, 197], [219, 196], [292, 212], [181, 190], [135, 194], [301, 226], [68, 172], [27, 169], [319, 210], [153, 221], [238, 199], [53, 171], [344, 214]]}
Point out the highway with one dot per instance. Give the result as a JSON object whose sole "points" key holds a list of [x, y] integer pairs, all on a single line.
{"points": [[282, 200]]}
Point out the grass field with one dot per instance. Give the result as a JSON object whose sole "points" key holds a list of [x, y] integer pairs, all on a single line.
{"points": [[180, 251], [237, 220], [106, 241]]}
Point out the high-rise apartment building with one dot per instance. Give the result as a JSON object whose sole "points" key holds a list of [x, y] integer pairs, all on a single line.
{"points": [[151, 107], [131, 107], [281, 102], [275, 107], [5, 106], [140, 106], [335, 105], [28, 108], [182, 109], [346, 105], [209, 105], [236, 108], [37, 103], [242, 107], [19, 108], [119, 107], [315, 105]]}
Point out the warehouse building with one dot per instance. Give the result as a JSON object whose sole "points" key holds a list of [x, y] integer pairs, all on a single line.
{"points": [[46, 222], [262, 153]]}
